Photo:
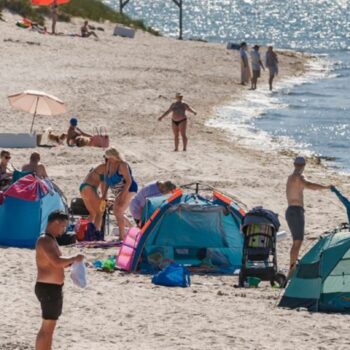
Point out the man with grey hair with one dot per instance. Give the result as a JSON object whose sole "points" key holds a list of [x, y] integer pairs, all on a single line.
{"points": [[295, 212]]}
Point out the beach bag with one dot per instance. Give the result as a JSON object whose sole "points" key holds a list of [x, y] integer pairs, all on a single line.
{"points": [[100, 138], [81, 228], [174, 275], [78, 274]]}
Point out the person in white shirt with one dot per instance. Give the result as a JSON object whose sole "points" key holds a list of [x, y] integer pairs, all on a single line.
{"points": [[245, 71], [256, 65]]}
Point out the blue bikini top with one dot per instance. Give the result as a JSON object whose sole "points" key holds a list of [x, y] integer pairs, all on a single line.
{"points": [[116, 178]]}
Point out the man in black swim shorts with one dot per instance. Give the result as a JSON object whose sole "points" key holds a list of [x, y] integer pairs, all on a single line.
{"points": [[50, 277], [295, 212]]}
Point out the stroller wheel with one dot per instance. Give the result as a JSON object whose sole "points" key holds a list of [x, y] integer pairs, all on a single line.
{"points": [[279, 280]]}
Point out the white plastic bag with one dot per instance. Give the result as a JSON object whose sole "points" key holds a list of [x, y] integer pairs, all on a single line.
{"points": [[78, 274]]}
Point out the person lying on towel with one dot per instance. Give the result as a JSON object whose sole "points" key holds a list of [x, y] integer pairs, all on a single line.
{"points": [[153, 189], [75, 136]]}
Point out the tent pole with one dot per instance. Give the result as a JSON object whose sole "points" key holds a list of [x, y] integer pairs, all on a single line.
{"points": [[36, 107]]}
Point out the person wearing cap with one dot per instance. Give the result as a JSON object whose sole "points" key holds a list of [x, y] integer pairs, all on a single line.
{"points": [[295, 217], [75, 136], [152, 189], [35, 167], [271, 62], [256, 65], [179, 120], [245, 70]]}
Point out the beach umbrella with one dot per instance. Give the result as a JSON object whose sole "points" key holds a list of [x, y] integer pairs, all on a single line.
{"points": [[48, 2], [36, 102]]}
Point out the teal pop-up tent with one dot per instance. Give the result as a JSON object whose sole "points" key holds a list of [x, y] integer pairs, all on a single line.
{"points": [[321, 281], [187, 229], [25, 209]]}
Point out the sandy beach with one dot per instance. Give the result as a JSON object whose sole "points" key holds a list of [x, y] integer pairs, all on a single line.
{"points": [[125, 85]]}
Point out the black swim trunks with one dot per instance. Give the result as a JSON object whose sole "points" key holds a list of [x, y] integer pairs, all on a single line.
{"points": [[51, 299], [296, 221]]}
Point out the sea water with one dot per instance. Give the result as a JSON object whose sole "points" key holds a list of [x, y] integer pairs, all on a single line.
{"points": [[309, 114]]}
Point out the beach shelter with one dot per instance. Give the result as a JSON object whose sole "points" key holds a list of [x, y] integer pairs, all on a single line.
{"points": [[25, 209], [321, 281], [187, 229]]}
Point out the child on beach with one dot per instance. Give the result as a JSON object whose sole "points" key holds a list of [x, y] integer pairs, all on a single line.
{"points": [[179, 120], [5, 173]]}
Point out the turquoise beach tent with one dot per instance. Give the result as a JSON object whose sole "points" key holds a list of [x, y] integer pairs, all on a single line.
{"points": [[188, 229], [321, 281], [24, 212]]}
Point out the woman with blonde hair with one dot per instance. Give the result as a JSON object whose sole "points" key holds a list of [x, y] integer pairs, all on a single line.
{"points": [[119, 179]]}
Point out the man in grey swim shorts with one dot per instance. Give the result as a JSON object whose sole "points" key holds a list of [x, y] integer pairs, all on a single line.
{"points": [[295, 212]]}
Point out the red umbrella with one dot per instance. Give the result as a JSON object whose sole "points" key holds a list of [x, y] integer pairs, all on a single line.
{"points": [[48, 2]]}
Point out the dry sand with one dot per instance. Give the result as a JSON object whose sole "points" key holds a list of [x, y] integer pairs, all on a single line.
{"points": [[125, 85]]}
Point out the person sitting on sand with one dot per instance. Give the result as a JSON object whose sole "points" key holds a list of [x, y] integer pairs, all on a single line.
{"points": [[245, 71], [75, 136], [119, 179], [295, 212], [153, 189], [179, 120], [272, 64], [50, 277], [34, 166], [5, 173], [85, 32], [92, 200], [256, 64]]}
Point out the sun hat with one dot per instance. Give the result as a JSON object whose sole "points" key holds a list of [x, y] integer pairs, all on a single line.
{"points": [[178, 94], [299, 161]]}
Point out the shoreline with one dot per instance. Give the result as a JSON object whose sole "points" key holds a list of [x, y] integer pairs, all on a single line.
{"points": [[125, 85]]}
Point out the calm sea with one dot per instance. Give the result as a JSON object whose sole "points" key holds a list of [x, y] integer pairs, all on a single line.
{"points": [[311, 113]]}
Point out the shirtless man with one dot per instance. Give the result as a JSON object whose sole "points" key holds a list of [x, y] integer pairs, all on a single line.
{"points": [[34, 166], [75, 136], [50, 277], [179, 120], [295, 212]]}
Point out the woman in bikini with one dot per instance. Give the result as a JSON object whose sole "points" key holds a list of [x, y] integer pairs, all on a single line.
{"points": [[179, 120], [89, 193], [119, 179]]}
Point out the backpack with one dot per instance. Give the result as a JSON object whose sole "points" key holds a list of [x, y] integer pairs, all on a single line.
{"points": [[173, 275]]}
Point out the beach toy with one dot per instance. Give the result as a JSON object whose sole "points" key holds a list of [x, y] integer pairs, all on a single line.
{"points": [[98, 264], [253, 282], [108, 264]]}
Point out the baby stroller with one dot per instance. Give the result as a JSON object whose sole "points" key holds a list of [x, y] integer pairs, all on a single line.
{"points": [[259, 227]]}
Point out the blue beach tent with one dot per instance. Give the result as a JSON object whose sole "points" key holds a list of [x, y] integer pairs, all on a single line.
{"points": [[191, 230], [24, 212]]}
